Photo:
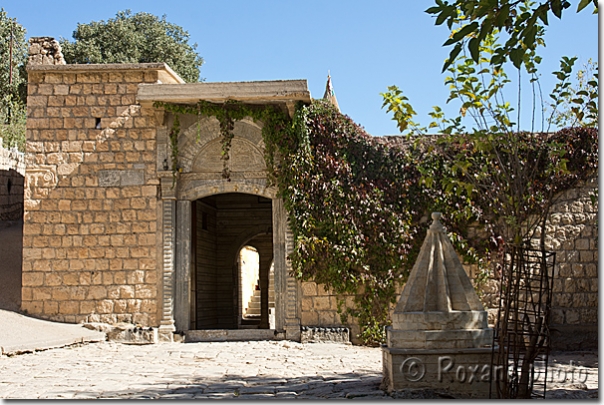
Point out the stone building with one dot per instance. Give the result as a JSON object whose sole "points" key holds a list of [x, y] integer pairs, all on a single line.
{"points": [[110, 236]]}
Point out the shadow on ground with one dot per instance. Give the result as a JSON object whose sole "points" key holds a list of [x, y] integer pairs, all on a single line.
{"points": [[244, 387]]}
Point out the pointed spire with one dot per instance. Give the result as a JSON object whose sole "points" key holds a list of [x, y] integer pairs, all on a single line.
{"points": [[438, 283], [330, 94]]}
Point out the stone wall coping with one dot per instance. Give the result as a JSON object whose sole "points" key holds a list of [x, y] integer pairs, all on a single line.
{"points": [[166, 74], [274, 91]]}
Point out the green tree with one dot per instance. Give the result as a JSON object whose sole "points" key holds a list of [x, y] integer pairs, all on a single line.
{"points": [[13, 56], [521, 20], [134, 38]]}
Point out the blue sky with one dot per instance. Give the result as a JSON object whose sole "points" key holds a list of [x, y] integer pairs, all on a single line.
{"points": [[366, 45]]}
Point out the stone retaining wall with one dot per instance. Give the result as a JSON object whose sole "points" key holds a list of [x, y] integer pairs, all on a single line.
{"points": [[12, 170]]}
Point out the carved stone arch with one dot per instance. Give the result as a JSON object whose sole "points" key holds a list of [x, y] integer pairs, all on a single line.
{"points": [[192, 188], [199, 135], [194, 138]]}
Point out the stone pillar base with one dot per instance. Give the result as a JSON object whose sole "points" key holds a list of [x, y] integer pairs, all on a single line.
{"points": [[293, 332], [166, 333], [464, 373]]}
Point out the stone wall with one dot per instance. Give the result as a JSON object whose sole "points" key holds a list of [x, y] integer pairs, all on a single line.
{"points": [[12, 170], [91, 188], [573, 226], [319, 308]]}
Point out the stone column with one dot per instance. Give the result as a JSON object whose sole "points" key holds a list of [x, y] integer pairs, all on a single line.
{"points": [[168, 202], [279, 257], [292, 306], [182, 273]]}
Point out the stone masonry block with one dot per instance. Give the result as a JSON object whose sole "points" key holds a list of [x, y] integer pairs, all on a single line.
{"points": [[322, 303], [309, 288], [33, 279], [310, 318], [104, 306], [145, 291], [51, 307], [32, 307], [69, 307]]}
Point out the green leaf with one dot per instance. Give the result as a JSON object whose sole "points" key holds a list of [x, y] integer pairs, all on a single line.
{"points": [[583, 4], [474, 46], [542, 13], [452, 57], [516, 55], [433, 10], [462, 33], [502, 15], [559, 5], [529, 37]]}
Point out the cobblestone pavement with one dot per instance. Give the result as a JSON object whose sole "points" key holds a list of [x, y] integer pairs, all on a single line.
{"points": [[254, 370]]}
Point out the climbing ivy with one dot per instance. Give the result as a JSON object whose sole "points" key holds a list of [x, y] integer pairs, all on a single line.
{"points": [[358, 205]]}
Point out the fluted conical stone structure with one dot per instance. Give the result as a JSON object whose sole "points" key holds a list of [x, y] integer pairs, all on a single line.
{"points": [[438, 307], [439, 335]]}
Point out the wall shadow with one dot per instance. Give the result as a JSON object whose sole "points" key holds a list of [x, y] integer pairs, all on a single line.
{"points": [[11, 256]]}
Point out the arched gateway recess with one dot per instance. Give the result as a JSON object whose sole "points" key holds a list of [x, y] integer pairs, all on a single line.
{"points": [[206, 219], [222, 225]]}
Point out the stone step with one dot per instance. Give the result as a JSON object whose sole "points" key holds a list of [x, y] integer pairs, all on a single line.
{"points": [[250, 320], [224, 335]]}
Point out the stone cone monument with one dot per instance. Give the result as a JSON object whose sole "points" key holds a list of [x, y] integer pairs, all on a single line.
{"points": [[439, 338]]}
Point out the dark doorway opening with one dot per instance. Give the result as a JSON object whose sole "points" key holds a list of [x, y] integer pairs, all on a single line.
{"points": [[224, 227]]}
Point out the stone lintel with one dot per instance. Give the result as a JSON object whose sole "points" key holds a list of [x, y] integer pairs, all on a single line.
{"points": [[166, 74], [284, 92]]}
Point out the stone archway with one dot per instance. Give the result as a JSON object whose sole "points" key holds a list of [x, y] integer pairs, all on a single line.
{"points": [[201, 180]]}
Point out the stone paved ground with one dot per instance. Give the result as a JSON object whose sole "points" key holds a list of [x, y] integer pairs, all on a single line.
{"points": [[254, 370]]}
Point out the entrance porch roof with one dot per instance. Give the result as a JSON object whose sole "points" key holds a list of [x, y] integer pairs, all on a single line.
{"points": [[286, 92]]}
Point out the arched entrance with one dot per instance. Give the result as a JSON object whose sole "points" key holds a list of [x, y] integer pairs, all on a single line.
{"points": [[206, 219]]}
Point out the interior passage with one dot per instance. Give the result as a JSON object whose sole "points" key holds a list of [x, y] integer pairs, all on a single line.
{"points": [[224, 226]]}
